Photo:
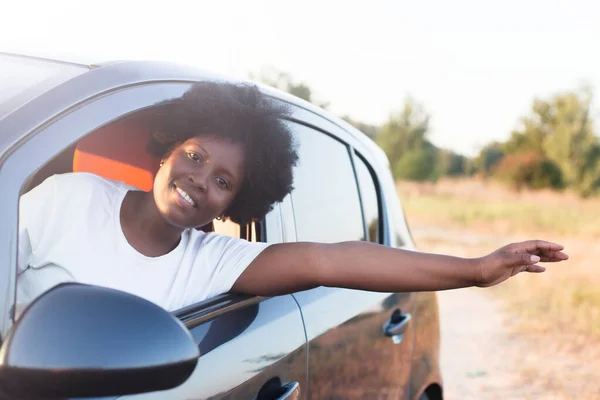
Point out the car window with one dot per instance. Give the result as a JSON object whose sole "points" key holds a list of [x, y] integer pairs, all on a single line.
{"points": [[52, 275], [325, 197], [370, 199]]}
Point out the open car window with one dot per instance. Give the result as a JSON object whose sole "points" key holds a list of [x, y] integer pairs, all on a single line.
{"points": [[117, 151]]}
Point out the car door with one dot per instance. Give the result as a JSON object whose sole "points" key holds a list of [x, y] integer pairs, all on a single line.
{"points": [[245, 342], [248, 345], [350, 356]]}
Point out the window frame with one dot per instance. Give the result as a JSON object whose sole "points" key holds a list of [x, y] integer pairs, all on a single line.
{"points": [[46, 141], [349, 151], [358, 157]]}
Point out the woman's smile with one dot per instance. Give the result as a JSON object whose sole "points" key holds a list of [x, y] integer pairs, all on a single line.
{"points": [[184, 198]]}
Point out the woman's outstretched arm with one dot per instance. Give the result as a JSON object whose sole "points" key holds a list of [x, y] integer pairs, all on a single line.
{"points": [[290, 267]]}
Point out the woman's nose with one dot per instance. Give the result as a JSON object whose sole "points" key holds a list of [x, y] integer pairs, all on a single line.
{"points": [[199, 179]]}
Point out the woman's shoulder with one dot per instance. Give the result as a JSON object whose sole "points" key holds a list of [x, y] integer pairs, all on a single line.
{"points": [[79, 188], [85, 181]]}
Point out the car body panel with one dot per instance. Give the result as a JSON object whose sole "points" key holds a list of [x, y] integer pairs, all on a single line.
{"points": [[349, 354], [242, 350]]}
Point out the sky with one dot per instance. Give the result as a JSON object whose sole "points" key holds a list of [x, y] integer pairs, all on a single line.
{"points": [[475, 65]]}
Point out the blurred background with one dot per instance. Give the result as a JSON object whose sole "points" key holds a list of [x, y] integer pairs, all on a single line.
{"points": [[487, 111]]}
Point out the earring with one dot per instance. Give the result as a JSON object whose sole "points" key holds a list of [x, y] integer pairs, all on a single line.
{"points": [[161, 163], [220, 217]]}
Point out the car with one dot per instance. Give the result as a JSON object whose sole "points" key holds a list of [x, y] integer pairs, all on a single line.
{"points": [[78, 340]]}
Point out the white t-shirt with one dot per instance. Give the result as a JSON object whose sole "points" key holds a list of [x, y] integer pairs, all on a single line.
{"points": [[70, 231]]}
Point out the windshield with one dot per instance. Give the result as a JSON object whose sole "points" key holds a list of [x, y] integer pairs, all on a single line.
{"points": [[22, 79]]}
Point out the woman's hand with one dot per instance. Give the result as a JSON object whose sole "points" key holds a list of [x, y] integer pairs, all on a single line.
{"points": [[509, 260]]}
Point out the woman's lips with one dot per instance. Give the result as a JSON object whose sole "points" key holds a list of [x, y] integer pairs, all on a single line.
{"points": [[184, 197]]}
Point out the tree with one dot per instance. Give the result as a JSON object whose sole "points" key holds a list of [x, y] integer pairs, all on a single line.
{"points": [[488, 157], [405, 130], [449, 163], [404, 139], [417, 164], [560, 130], [529, 169]]}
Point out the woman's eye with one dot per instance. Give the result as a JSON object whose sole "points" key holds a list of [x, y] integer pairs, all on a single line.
{"points": [[194, 157], [222, 182]]}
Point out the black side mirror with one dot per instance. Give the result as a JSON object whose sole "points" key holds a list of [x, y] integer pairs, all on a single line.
{"points": [[86, 341]]}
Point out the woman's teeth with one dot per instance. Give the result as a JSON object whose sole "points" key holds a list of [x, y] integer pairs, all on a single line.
{"points": [[185, 196]]}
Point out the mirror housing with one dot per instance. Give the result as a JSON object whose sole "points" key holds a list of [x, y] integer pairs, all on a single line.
{"points": [[86, 341]]}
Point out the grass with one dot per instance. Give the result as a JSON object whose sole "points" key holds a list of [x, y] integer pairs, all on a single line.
{"points": [[565, 299], [509, 216], [485, 206]]}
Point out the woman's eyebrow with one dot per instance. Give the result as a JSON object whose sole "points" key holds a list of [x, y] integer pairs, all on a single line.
{"points": [[202, 150]]}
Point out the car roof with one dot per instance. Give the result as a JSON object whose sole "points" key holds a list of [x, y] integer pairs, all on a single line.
{"points": [[87, 63], [56, 60]]}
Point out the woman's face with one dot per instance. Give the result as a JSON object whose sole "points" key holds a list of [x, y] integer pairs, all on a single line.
{"points": [[198, 181]]}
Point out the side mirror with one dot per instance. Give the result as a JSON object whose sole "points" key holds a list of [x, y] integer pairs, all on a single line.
{"points": [[87, 341]]}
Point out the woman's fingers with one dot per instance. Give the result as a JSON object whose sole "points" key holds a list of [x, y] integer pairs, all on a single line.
{"points": [[535, 268], [553, 256], [538, 245], [547, 251]]}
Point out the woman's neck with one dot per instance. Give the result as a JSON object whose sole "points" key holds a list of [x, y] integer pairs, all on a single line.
{"points": [[144, 227]]}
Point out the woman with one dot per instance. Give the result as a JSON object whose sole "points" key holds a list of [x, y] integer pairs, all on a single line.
{"points": [[226, 153]]}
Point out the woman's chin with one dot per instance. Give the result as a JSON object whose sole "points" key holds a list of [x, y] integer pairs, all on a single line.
{"points": [[175, 219]]}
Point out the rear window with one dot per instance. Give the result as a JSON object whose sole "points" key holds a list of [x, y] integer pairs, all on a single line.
{"points": [[22, 79], [325, 197]]}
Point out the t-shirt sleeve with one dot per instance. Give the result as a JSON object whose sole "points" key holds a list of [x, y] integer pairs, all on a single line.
{"points": [[233, 256], [35, 212]]}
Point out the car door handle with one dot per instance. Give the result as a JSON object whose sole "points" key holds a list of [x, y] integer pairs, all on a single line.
{"points": [[397, 325], [274, 390]]}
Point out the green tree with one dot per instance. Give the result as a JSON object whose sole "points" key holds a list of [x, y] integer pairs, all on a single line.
{"points": [[535, 129], [404, 139], [560, 130], [405, 130], [449, 163], [529, 169], [417, 164], [488, 157]]}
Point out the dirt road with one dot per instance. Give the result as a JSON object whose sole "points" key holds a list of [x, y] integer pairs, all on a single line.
{"points": [[483, 359], [477, 359], [485, 353]]}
